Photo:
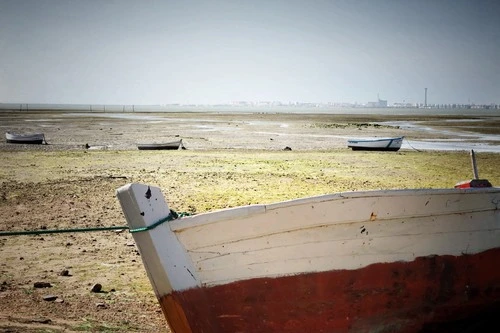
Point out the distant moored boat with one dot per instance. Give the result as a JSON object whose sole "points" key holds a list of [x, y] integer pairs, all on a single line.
{"points": [[35, 138], [174, 145], [382, 144]]}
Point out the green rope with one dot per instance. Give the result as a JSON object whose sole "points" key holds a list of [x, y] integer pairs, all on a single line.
{"points": [[172, 216], [57, 231]]}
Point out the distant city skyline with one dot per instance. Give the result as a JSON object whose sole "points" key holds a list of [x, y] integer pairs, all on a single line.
{"points": [[219, 52], [236, 104]]}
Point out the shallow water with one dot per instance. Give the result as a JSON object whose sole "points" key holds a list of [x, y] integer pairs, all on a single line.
{"points": [[458, 138], [450, 146]]}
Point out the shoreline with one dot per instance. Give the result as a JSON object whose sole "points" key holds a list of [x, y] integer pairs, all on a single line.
{"points": [[312, 108]]}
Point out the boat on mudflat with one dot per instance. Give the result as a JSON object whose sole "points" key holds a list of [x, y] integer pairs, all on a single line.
{"points": [[413, 260], [35, 138], [174, 145], [381, 144]]}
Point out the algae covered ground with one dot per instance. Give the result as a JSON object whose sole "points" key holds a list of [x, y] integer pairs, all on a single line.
{"points": [[199, 181]]}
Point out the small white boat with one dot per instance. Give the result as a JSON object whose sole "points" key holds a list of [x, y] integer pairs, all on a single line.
{"points": [[174, 145], [369, 261], [381, 144], [35, 138]]}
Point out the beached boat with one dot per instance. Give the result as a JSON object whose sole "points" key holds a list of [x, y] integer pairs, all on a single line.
{"points": [[416, 260], [382, 144], [35, 138], [174, 145]]}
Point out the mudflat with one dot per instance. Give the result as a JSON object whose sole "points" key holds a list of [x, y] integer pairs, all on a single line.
{"points": [[50, 281], [238, 130]]}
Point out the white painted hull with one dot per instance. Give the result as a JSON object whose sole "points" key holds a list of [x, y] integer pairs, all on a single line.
{"points": [[160, 146], [25, 138], [333, 232], [389, 144]]}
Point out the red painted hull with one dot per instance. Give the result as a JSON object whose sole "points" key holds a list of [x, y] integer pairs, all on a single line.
{"points": [[429, 294]]}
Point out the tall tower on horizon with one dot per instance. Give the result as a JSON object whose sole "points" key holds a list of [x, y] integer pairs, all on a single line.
{"points": [[425, 103]]}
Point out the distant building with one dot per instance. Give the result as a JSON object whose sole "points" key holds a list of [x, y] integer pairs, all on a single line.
{"points": [[381, 103]]}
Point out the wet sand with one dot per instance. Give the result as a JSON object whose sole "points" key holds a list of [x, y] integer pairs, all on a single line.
{"points": [[261, 131]]}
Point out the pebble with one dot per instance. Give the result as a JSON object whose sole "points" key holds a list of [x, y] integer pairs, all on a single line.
{"points": [[96, 288]]}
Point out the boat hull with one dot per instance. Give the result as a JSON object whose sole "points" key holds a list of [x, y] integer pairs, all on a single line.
{"points": [[375, 148], [384, 261], [161, 146], [37, 138], [386, 144], [437, 293]]}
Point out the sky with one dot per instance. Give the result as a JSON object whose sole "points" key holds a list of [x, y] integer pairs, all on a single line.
{"points": [[221, 51]]}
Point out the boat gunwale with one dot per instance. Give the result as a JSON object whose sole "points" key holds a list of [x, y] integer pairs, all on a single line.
{"points": [[220, 215]]}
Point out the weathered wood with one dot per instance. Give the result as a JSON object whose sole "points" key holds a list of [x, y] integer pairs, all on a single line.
{"points": [[357, 259]]}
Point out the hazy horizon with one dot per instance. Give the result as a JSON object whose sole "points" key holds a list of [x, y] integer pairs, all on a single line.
{"points": [[217, 52]]}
